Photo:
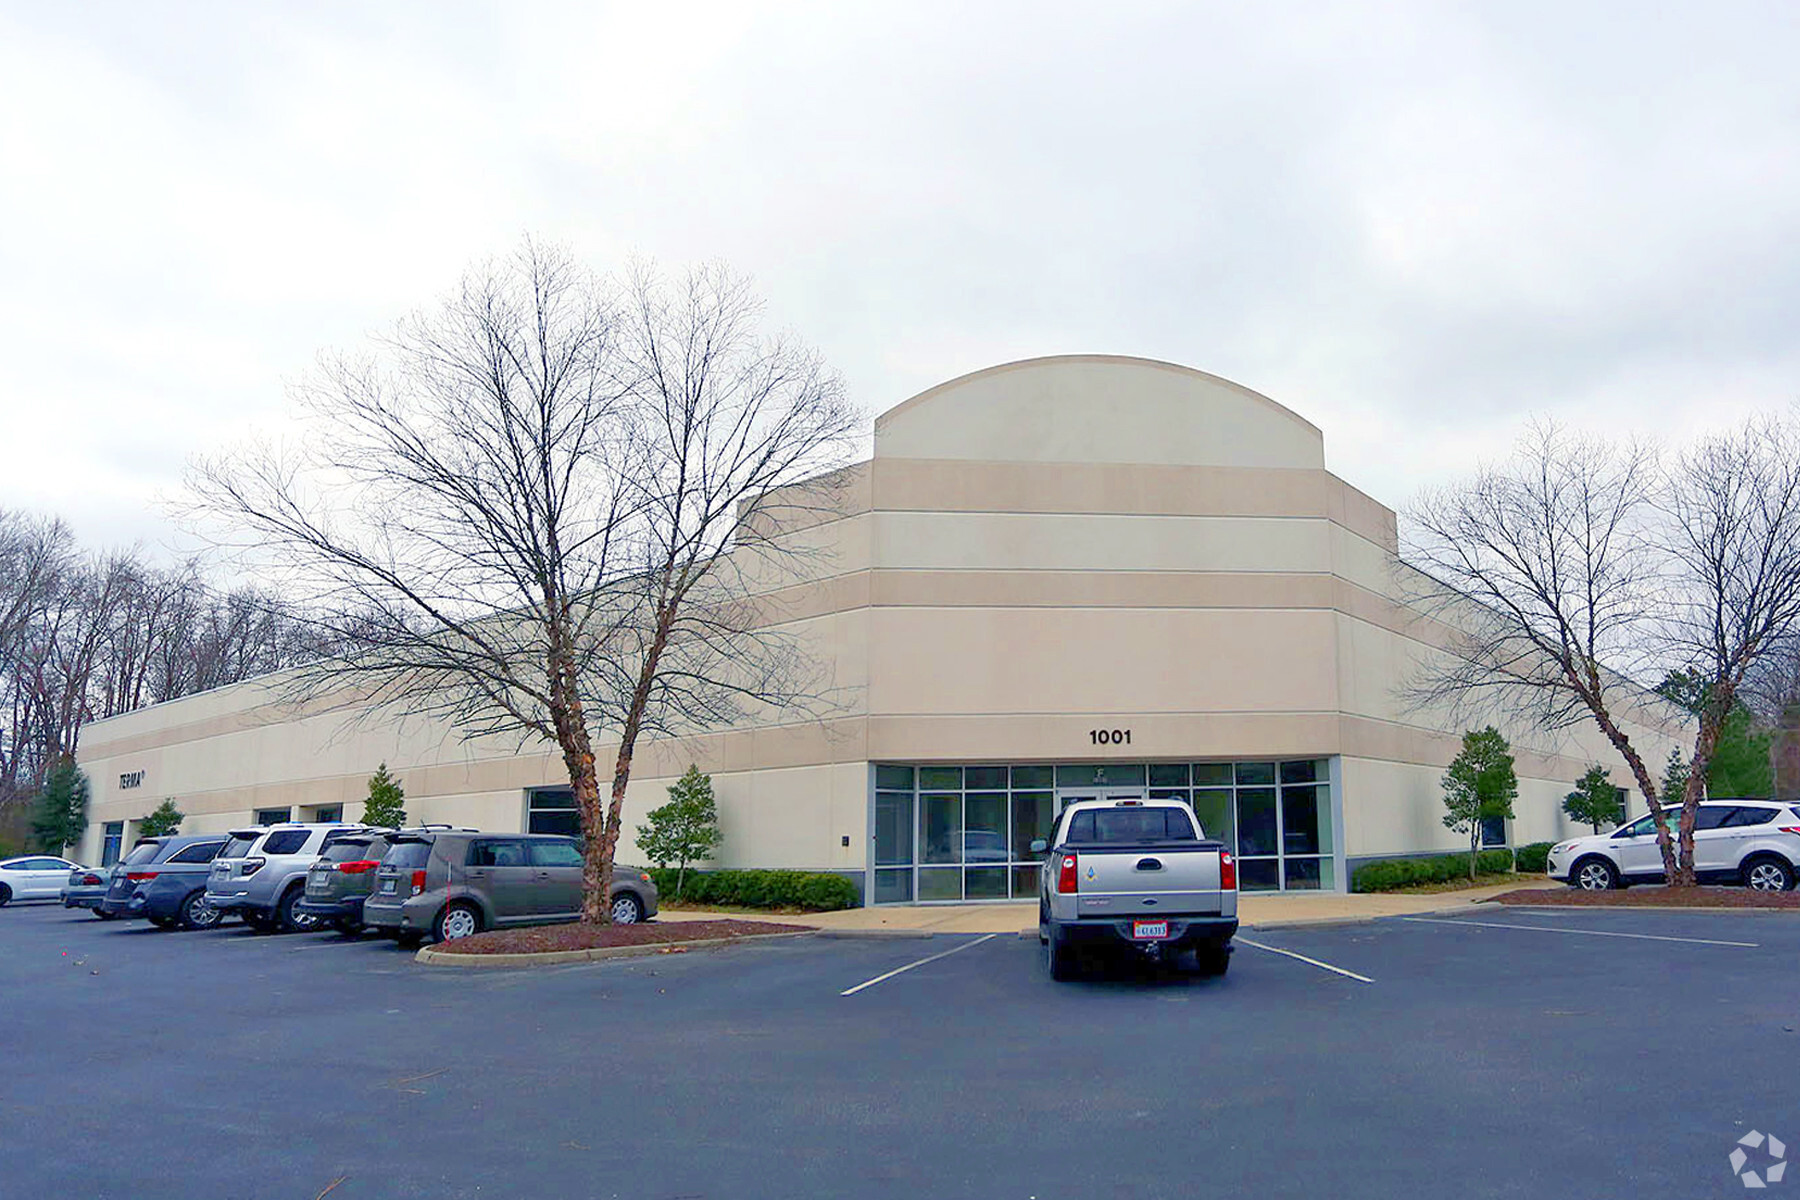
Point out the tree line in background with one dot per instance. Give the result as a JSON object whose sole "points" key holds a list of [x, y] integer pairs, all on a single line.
{"points": [[87, 634]]}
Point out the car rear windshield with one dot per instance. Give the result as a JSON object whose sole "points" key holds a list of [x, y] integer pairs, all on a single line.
{"points": [[286, 841], [1129, 826], [238, 846], [146, 852], [410, 855], [350, 850]]}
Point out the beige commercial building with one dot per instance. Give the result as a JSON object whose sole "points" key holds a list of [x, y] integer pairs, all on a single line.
{"points": [[1058, 578]]}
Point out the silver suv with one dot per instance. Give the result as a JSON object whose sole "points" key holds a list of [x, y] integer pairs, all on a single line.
{"points": [[261, 873], [452, 884]]}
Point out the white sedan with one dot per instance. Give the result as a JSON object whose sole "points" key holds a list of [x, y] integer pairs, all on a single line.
{"points": [[34, 877]]}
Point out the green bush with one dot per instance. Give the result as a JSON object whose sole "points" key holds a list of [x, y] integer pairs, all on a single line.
{"points": [[1390, 873], [1533, 859], [814, 891]]}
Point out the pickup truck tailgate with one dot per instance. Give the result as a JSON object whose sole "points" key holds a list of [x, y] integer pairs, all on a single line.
{"points": [[1177, 880]]}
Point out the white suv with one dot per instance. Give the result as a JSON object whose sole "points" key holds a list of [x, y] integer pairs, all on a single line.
{"points": [[260, 874], [1754, 842]]}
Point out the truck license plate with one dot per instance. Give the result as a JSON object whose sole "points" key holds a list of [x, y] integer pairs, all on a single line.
{"points": [[1149, 929]]}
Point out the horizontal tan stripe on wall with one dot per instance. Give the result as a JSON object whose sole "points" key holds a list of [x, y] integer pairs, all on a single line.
{"points": [[939, 485]]}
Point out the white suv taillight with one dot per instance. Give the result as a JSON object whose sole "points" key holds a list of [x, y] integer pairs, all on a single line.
{"points": [[252, 866]]}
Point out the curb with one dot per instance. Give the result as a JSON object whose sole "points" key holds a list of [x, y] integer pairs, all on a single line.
{"points": [[433, 957], [1726, 910]]}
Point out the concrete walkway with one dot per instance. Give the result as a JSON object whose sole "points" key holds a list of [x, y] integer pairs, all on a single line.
{"points": [[1260, 911]]}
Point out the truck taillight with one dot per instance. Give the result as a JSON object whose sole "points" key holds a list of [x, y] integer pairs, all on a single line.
{"points": [[1065, 875], [418, 882], [1227, 871], [359, 866], [140, 876]]}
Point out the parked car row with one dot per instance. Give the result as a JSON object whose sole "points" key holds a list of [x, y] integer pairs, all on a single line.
{"points": [[432, 881]]}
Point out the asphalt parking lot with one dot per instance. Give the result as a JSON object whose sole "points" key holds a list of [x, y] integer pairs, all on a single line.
{"points": [[1536, 1053]]}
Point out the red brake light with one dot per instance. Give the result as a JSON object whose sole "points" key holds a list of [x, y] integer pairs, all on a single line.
{"points": [[1790, 829], [90, 880], [1065, 875], [140, 876], [418, 882], [1227, 871], [359, 866]]}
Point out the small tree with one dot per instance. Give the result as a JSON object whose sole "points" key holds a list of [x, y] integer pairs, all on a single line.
{"points": [[684, 830], [1596, 800], [1675, 774], [1480, 783], [60, 816], [164, 818], [382, 809]]}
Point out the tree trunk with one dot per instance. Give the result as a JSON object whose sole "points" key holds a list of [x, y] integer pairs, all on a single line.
{"points": [[1474, 846], [1664, 842], [681, 879], [594, 906]]}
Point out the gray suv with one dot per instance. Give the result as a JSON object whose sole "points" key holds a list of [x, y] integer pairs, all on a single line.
{"points": [[453, 884], [261, 873]]}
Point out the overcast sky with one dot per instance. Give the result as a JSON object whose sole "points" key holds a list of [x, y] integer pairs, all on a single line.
{"points": [[1417, 225]]}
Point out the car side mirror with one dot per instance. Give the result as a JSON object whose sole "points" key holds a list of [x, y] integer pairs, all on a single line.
{"points": [[1039, 845]]}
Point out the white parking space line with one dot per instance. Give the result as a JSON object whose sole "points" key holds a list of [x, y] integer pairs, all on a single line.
{"points": [[1643, 937], [1323, 966], [909, 966]]}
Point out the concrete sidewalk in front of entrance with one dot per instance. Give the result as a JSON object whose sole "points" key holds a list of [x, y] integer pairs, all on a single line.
{"points": [[1257, 911]]}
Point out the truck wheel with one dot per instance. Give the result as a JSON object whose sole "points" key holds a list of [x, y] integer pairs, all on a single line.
{"points": [[1213, 960], [286, 919], [1059, 958]]}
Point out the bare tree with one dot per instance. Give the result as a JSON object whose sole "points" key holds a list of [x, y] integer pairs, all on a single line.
{"points": [[1732, 536], [503, 519], [1537, 574], [1580, 553], [738, 436]]}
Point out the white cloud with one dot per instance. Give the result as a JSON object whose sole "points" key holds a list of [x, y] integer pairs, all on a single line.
{"points": [[1415, 224]]}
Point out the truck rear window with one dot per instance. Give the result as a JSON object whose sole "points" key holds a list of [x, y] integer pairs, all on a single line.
{"points": [[1129, 826]]}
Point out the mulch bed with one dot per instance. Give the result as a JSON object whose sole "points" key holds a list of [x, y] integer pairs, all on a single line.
{"points": [[1635, 897], [540, 939]]}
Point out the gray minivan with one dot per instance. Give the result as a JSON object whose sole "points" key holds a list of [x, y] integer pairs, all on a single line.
{"points": [[453, 884]]}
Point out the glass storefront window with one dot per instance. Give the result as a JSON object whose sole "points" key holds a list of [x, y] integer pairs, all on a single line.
{"points": [[893, 828], [1213, 807], [965, 832], [1101, 775], [1256, 822], [940, 883], [940, 828], [1033, 817]]}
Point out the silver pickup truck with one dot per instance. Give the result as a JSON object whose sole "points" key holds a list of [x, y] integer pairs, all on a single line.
{"points": [[1138, 874]]}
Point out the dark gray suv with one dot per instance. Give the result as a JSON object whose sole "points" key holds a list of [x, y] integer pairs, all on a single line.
{"points": [[452, 884]]}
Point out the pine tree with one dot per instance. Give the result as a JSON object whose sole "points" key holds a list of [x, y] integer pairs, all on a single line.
{"points": [[1480, 783], [165, 818], [1596, 800], [382, 809], [1675, 780], [60, 816], [684, 830]]}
